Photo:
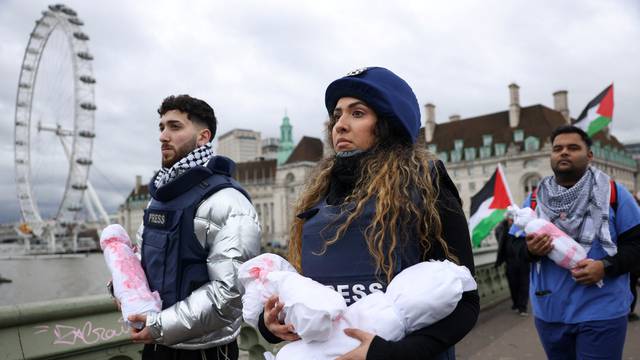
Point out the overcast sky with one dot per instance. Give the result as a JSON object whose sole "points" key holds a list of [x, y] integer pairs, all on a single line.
{"points": [[252, 59]]}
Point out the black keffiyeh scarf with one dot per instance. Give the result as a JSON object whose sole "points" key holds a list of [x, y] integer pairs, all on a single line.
{"points": [[199, 156]]}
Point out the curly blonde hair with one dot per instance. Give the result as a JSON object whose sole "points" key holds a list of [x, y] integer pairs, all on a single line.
{"points": [[396, 174]]}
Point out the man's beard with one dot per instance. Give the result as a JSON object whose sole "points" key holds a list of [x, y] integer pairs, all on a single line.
{"points": [[180, 153], [572, 174]]}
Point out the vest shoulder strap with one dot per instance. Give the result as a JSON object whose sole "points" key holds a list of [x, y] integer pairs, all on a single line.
{"points": [[534, 199], [223, 169], [217, 182], [613, 199]]}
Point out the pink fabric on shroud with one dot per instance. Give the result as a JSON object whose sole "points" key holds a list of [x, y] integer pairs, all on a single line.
{"points": [[130, 284], [551, 230], [418, 296], [566, 252]]}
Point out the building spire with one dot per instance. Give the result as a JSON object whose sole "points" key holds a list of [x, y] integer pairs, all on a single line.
{"points": [[286, 140]]}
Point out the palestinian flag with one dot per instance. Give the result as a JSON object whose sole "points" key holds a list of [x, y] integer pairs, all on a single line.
{"points": [[488, 207], [598, 113]]}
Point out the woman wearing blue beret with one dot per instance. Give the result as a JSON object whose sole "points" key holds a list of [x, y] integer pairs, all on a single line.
{"points": [[379, 205]]}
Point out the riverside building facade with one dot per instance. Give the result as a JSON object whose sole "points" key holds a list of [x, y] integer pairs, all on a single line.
{"points": [[517, 138]]}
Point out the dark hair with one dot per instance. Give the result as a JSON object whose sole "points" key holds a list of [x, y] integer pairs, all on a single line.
{"points": [[570, 129], [388, 135], [197, 110]]}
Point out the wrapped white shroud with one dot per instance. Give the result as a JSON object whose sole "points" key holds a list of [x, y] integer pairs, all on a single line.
{"points": [[130, 284], [417, 297], [566, 251]]}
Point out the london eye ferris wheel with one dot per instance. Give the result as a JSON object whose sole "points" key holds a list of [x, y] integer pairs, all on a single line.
{"points": [[54, 131]]}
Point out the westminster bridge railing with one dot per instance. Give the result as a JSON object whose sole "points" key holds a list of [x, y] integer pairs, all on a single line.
{"points": [[90, 327]]}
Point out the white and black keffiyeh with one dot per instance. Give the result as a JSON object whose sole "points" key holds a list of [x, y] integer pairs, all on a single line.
{"points": [[199, 156], [581, 211]]}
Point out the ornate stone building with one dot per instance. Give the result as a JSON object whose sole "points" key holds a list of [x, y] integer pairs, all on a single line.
{"points": [[270, 148], [634, 149], [131, 211], [240, 145], [274, 183], [285, 146], [274, 188], [518, 138]]}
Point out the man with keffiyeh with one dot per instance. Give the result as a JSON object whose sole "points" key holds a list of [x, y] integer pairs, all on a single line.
{"points": [[198, 228], [576, 316]]}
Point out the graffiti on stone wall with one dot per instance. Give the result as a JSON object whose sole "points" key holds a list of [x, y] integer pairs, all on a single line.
{"points": [[87, 334]]}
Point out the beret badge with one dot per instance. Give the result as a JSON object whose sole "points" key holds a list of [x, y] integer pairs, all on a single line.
{"points": [[357, 72]]}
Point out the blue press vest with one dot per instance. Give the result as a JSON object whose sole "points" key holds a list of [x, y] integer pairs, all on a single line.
{"points": [[172, 257], [346, 265]]}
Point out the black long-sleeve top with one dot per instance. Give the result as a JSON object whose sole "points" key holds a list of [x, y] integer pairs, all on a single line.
{"points": [[436, 338]]}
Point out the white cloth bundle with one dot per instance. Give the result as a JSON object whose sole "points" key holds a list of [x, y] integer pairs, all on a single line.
{"points": [[566, 252], [308, 305], [417, 297], [130, 284]]}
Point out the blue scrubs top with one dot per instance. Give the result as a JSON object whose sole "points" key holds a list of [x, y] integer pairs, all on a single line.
{"points": [[568, 302]]}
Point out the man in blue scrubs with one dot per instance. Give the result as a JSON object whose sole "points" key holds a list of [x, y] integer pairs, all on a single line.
{"points": [[576, 317]]}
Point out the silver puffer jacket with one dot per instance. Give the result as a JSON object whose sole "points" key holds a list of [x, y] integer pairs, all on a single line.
{"points": [[227, 225]]}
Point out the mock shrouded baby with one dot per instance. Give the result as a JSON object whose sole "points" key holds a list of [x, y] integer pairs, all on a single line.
{"points": [[418, 296], [130, 284], [566, 251]]}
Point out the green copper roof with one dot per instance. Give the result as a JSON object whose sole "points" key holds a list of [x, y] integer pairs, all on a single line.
{"points": [[286, 140]]}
